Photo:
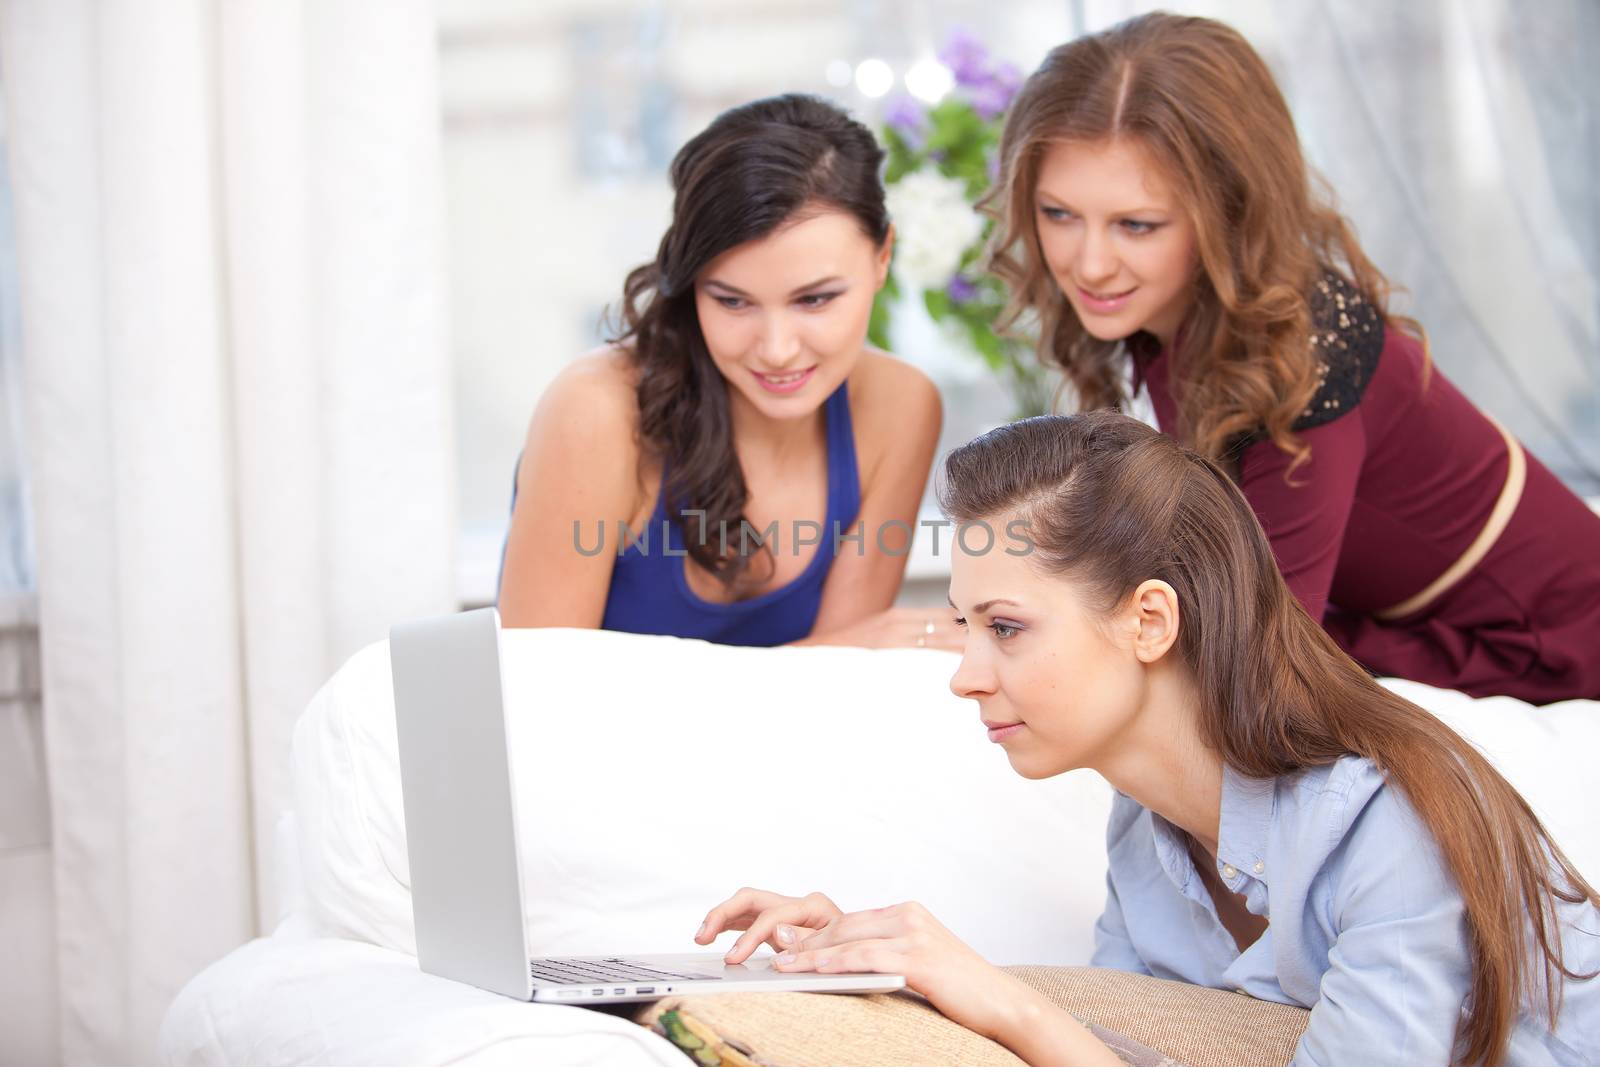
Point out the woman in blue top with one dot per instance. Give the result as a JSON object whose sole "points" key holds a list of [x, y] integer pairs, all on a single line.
{"points": [[1284, 826], [739, 465]]}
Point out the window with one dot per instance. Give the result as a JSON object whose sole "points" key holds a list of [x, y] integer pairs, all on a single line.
{"points": [[17, 574]]}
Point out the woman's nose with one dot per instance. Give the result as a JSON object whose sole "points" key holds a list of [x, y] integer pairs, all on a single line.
{"points": [[1097, 261], [780, 342], [973, 678]]}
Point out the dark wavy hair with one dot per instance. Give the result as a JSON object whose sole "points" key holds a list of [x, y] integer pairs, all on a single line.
{"points": [[755, 168], [1110, 502]]}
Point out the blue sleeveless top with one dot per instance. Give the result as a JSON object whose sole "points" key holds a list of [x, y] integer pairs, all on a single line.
{"points": [[650, 593]]}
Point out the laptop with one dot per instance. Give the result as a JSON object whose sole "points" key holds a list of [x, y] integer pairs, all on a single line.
{"points": [[461, 831]]}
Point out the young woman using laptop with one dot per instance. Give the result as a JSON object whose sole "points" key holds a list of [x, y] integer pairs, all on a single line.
{"points": [[739, 465], [1283, 826], [1155, 214]]}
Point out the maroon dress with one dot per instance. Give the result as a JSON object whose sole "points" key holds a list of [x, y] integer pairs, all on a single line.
{"points": [[1402, 478]]}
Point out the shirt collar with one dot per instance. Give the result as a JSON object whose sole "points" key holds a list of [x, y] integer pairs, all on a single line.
{"points": [[1143, 354], [1172, 852], [1246, 820]]}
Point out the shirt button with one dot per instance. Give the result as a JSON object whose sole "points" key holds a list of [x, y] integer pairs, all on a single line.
{"points": [[1229, 871], [1259, 867]]}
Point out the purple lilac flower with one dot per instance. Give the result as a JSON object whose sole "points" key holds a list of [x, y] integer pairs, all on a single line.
{"points": [[987, 101], [966, 57], [904, 116], [1007, 79], [960, 290], [989, 87], [990, 97]]}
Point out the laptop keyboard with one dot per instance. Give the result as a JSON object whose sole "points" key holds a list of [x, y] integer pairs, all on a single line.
{"points": [[602, 972]]}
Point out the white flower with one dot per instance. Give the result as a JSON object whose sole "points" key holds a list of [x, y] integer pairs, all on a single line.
{"points": [[934, 225]]}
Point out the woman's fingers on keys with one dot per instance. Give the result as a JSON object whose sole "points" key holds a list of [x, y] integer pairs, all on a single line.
{"points": [[784, 925], [764, 930], [735, 913]]}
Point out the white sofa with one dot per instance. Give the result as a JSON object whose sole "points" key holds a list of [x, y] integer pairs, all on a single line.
{"points": [[657, 775]]}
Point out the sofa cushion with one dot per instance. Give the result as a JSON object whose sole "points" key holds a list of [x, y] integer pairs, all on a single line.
{"points": [[1149, 1022], [654, 776], [1195, 1025]]}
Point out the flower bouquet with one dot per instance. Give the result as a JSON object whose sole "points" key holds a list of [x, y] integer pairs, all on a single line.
{"points": [[941, 160]]}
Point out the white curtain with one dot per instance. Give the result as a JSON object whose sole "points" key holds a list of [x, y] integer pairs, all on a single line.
{"points": [[16, 521], [229, 225]]}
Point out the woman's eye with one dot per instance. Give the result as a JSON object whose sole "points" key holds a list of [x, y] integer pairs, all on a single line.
{"points": [[1055, 214], [1137, 228], [960, 621], [816, 300], [1001, 630], [732, 303]]}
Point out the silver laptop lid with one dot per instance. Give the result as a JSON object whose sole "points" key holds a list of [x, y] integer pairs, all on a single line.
{"points": [[455, 777]]}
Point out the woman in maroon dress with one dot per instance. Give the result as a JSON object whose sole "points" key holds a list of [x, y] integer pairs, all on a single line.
{"points": [[1156, 216]]}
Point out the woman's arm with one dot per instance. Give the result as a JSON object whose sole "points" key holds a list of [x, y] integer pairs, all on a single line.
{"points": [[896, 414], [813, 935], [578, 480], [1305, 517]]}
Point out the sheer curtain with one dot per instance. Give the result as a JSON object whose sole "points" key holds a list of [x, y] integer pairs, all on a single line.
{"points": [[16, 523], [1461, 137], [240, 442], [27, 986]]}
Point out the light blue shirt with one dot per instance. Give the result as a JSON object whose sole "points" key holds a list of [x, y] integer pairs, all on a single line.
{"points": [[1365, 924]]}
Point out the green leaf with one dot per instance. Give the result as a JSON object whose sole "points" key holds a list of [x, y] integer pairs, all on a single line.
{"points": [[878, 322], [937, 302], [900, 164], [988, 345]]}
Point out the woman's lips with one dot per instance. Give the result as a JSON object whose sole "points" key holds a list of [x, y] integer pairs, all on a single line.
{"points": [[784, 383], [1104, 303], [999, 731]]}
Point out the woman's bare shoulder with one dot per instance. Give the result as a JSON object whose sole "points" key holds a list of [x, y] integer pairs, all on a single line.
{"points": [[594, 396], [894, 408], [584, 438], [606, 375], [889, 394]]}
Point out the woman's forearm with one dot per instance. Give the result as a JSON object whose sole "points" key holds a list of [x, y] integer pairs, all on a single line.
{"points": [[1043, 1035]]}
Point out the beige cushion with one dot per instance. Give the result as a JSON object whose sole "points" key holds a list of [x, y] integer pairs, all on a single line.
{"points": [[1149, 1022], [822, 1030], [1193, 1024]]}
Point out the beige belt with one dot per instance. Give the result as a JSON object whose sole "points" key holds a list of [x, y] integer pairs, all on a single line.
{"points": [[1510, 494]]}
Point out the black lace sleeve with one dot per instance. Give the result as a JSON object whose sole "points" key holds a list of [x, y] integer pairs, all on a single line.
{"points": [[1347, 334]]}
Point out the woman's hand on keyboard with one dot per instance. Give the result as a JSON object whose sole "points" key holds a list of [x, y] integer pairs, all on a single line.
{"points": [[906, 940], [771, 918]]}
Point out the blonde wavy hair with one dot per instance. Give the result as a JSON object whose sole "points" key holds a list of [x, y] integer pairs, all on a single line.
{"points": [[1200, 101]]}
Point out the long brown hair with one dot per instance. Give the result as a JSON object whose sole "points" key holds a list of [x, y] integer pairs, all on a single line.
{"points": [[753, 169], [1204, 106], [1110, 502]]}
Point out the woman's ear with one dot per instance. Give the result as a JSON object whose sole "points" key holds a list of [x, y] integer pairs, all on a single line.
{"points": [[885, 256], [1155, 619]]}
